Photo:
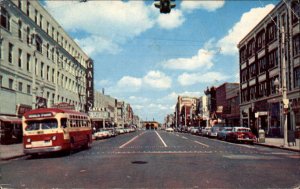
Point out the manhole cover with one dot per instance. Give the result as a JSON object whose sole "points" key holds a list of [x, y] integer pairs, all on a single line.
{"points": [[139, 162]]}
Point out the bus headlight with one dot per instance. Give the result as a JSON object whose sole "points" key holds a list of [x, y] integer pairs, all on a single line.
{"points": [[54, 138], [28, 140]]}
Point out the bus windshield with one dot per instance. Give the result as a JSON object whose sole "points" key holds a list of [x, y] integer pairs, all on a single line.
{"points": [[41, 124]]}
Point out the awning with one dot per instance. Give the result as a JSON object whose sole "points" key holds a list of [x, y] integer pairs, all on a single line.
{"points": [[10, 119]]}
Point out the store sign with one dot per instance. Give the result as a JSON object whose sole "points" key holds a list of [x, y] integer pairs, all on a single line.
{"points": [[98, 115], [64, 105], [90, 85]]}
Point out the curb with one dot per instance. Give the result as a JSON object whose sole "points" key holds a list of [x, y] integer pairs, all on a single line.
{"points": [[279, 147]]}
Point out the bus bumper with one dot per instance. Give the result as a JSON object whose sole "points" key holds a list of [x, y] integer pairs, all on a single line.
{"points": [[42, 150]]}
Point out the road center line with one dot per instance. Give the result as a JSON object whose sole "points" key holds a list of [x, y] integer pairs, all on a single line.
{"points": [[201, 143], [161, 139], [131, 140]]}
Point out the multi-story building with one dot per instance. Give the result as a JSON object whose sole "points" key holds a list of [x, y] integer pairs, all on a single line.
{"points": [[233, 103], [211, 102], [202, 111], [40, 64], [263, 56], [223, 107], [185, 110]]}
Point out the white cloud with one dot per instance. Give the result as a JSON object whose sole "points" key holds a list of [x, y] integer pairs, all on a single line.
{"points": [[157, 79], [172, 20], [129, 84], [109, 22], [189, 6], [248, 21], [187, 79], [202, 60]]}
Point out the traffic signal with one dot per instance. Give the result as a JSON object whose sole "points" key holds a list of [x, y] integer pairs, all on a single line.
{"points": [[165, 6]]}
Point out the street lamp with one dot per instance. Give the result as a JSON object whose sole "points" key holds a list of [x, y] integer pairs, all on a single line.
{"points": [[285, 102]]}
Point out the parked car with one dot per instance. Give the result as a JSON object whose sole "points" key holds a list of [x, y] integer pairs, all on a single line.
{"points": [[241, 134], [213, 133], [222, 133], [169, 129], [102, 134], [194, 131], [206, 131]]}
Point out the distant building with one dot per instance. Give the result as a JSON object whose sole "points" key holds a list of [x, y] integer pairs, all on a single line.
{"points": [[185, 111], [261, 56]]}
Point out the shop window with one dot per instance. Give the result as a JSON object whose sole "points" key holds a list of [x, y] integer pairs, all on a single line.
{"points": [[4, 17]]}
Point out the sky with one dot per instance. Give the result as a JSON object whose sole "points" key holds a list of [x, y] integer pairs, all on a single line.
{"points": [[147, 59]]}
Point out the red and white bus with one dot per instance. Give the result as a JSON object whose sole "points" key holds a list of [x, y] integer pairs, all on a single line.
{"points": [[54, 129]]}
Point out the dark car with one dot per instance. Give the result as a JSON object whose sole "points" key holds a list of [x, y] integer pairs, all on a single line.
{"points": [[241, 134]]}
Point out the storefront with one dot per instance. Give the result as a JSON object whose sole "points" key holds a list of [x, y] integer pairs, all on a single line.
{"points": [[10, 129], [295, 115]]}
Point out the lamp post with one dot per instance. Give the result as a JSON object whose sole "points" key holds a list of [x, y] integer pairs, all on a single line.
{"points": [[285, 100]]}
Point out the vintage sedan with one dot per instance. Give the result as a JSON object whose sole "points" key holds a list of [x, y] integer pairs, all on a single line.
{"points": [[102, 134], [241, 134], [223, 133]]}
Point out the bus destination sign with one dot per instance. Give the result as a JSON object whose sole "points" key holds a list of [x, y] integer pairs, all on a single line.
{"points": [[40, 115]]}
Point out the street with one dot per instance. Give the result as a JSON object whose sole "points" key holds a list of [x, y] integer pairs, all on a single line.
{"points": [[157, 159]]}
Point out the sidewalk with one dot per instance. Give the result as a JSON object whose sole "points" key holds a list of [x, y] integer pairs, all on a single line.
{"points": [[11, 151], [278, 143]]}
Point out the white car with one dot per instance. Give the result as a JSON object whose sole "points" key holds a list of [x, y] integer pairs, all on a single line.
{"points": [[102, 134], [169, 129]]}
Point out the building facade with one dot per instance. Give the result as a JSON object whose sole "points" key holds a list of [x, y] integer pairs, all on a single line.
{"points": [[185, 111], [40, 64], [263, 54]]}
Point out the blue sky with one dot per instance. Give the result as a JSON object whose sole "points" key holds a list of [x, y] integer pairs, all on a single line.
{"points": [[147, 59]]}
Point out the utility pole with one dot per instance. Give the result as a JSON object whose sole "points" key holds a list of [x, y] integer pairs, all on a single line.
{"points": [[285, 100]]}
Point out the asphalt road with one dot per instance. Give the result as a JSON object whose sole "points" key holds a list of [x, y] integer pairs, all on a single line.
{"points": [[157, 159]]}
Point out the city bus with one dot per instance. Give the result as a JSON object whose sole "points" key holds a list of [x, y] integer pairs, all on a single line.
{"points": [[48, 130]]}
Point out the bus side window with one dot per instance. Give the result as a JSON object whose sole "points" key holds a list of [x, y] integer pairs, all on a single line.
{"points": [[63, 123]]}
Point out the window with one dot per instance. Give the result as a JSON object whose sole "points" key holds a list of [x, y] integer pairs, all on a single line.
{"points": [[28, 89], [1, 78], [297, 77], [20, 59], [10, 52], [36, 67], [20, 29], [4, 17], [252, 92], [252, 70], [42, 70], [35, 16], [20, 4], [295, 11], [271, 32], [48, 73], [262, 89], [38, 43], [52, 32], [0, 49], [28, 8], [47, 50], [244, 96], [260, 40], [272, 86], [47, 29], [251, 48], [10, 83], [296, 45], [53, 72], [41, 21], [273, 59], [28, 62], [262, 65], [20, 86], [28, 35]]}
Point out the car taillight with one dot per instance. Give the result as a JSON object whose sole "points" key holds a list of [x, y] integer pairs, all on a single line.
{"points": [[54, 138]]}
